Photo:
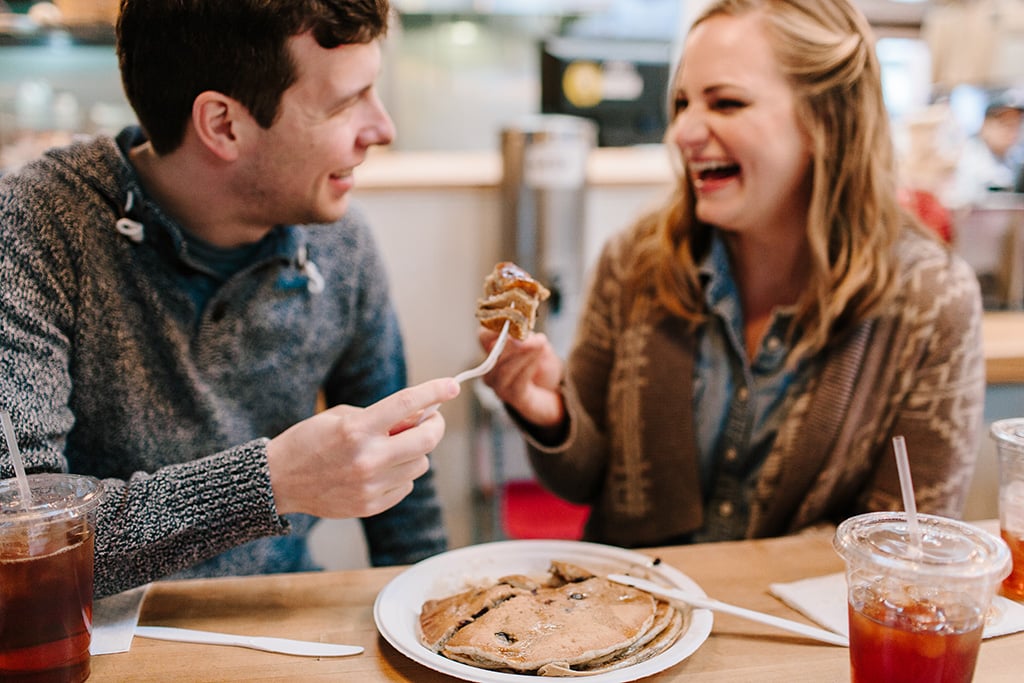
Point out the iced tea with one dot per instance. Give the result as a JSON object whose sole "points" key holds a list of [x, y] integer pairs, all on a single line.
{"points": [[917, 602], [1009, 438], [913, 642], [1013, 585], [46, 609], [46, 576]]}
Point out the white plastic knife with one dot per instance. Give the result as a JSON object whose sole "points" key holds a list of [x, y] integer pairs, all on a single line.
{"points": [[305, 648], [718, 606]]}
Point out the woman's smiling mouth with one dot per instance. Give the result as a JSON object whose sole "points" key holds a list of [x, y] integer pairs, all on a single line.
{"points": [[705, 172]]}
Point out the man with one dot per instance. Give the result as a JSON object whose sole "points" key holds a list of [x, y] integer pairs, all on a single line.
{"points": [[173, 300], [986, 162]]}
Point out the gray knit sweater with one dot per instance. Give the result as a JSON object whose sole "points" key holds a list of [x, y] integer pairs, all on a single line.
{"points": [[108, 369]]}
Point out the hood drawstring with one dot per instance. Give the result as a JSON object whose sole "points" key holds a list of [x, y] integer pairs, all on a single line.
{"points": [[316, 283], [133, 230]]}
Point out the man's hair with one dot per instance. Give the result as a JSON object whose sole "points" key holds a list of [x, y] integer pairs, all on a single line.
{"points": [[170, 51], [826, 51]]}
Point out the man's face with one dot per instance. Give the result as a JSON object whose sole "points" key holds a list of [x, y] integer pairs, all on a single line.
{"points": [[300, 170], [1001, 130]]}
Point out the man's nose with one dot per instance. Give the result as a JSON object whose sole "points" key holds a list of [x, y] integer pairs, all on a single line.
{"points": [[381, 129]]}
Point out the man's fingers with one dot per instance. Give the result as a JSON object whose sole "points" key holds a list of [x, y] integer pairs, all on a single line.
{"points": [[418, 439], [414, 420], [402, 406], [388, 499]]}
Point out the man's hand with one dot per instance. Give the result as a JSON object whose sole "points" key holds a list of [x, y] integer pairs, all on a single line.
{"points": [[357, 462]]}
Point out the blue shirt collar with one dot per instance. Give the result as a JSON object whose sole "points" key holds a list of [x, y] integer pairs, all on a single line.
{"points": [[284, 242], [722, 298]]}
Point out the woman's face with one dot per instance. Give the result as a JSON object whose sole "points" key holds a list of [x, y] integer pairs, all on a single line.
{"points": [[735, 125]]}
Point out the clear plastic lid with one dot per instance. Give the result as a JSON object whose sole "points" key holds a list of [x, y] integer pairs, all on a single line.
{"points": [[54, 497], [1009, 433], [949, 548]]}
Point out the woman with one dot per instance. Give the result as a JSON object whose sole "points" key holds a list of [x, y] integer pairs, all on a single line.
{"points": [[748, 350]]}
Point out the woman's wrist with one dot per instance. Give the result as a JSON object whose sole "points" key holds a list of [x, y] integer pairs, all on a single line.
{"points": [[548, 434]]}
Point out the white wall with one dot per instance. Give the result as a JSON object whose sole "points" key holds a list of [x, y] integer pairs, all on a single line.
{"points": [[439, 244]]}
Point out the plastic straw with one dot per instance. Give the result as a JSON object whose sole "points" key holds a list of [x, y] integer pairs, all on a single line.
{"points": [[19, 465], [899, 445]]}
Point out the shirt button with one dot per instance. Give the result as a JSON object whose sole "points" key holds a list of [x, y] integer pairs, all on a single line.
{"points": [[774, 343], [725, 509], [742, 393], [731, 455]]}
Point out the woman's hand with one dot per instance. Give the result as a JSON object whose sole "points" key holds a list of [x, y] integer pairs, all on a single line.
{"points": [[527, 377]]}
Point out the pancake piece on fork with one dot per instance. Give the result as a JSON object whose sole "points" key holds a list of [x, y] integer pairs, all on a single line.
{"points": [[510, 293]]}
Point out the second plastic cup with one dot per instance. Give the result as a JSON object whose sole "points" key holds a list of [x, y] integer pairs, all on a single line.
{"points": [[1009, 438], [917, 612], [46, 578]]}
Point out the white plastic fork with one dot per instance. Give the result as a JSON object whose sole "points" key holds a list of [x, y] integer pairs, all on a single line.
{"points": [[281, 645], [478, 371], [701, 602]]}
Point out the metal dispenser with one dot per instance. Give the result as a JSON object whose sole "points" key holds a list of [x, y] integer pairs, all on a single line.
{"points": [[543, 195]]}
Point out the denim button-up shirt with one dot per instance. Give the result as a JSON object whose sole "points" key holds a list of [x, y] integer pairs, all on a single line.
{"points": [[738, 404]]}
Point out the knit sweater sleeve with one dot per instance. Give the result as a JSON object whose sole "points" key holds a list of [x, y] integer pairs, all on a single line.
{"points": [[939, 381], [154, 525], [148, 525]]}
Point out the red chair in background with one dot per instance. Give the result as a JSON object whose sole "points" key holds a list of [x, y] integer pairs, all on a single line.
{"points": [[931, 212], [530, 511], [510, 503]]}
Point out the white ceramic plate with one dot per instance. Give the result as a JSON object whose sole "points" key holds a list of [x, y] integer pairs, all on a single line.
{"points": [[397, 607]]}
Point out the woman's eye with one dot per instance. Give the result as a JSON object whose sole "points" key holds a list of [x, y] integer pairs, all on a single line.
{"points": [[725, 104], [679, 104]]}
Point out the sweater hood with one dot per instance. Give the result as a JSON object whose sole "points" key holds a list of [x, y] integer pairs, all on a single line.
{"points": [[102, 164]]}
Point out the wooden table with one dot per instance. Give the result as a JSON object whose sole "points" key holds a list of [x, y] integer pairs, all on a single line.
{"points": [[337, 607], [1003, 339]]}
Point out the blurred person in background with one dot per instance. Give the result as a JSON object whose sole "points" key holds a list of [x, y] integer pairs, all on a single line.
{"points": [[988, 162], [748, 351], [174, 299]]}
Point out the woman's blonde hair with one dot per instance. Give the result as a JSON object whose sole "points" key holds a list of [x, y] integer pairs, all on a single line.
{"points": [[826, 52]]}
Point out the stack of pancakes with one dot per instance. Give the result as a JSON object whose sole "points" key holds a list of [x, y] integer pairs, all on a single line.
{"points": [[570, 623], [511, 294]]}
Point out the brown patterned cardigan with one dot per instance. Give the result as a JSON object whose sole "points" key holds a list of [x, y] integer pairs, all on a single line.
{"points": [[631, 450]]}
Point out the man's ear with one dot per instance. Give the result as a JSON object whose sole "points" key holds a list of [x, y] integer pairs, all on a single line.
{"points": [[219, 122]]}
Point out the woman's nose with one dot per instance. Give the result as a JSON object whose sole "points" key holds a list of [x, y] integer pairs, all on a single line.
{"points": [[688, 129]]}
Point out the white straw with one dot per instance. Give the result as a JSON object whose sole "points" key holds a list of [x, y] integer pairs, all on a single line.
{"points": [[899, 445], [19, 466]]}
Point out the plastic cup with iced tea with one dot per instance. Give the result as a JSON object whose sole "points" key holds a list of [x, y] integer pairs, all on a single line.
{"points": [[917, 610], [46, 578], [1009, 438]]}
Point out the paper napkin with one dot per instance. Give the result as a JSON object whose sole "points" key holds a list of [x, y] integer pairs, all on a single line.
{"points": [[113, 621], [823, 599]]}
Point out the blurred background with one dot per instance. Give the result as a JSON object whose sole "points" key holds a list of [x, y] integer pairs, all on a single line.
{"points": [[458, 70], [475, 85]]}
